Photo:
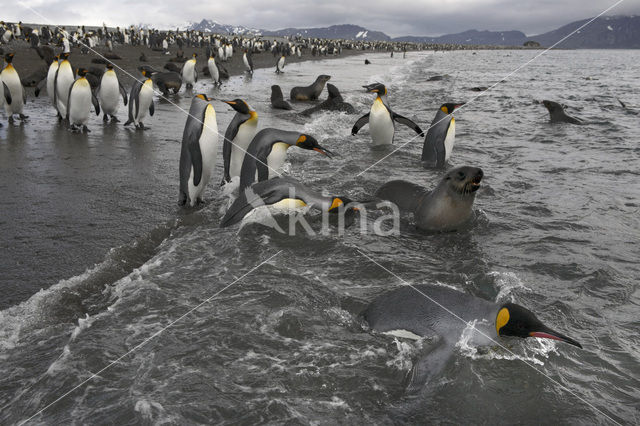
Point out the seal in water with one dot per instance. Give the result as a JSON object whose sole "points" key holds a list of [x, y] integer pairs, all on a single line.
{"points": [[557, 114], [310, 93], [277, 100], [333, 103], [448, 206]]}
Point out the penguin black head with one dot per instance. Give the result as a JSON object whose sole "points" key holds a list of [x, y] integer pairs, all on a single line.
{"points": [[195, 55], [9, 57], [309, 142], [64, 56], [448, 108], [239, 105], [204, 97], [378, 88], [81, 72], [109, 66], [146, 71], [518, 321]]}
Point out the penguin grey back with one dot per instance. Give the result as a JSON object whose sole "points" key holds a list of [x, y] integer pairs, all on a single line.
{"points": [[433, 150]]}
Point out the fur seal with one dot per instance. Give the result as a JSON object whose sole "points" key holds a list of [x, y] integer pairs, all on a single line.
{"points": [[333, 103], [310, 93], [445, 208], [557, 114], [277, 99]]}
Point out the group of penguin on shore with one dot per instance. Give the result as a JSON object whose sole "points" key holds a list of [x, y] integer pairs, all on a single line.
{"points": [[253, 158]]}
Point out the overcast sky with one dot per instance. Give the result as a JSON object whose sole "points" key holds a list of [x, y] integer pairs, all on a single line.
{"points": [[394, 17]]}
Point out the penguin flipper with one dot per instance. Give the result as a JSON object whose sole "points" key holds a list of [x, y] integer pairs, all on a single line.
{"points": [[429, 366], [7, 94], [407, 122], [196, 161], [94, 100], [263, 170], [152, 108], [123, 93], [229, 136], [39, 87], [361, 122]]}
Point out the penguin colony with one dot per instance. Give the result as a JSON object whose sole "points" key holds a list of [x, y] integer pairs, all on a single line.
{"points": [[252, 157]]}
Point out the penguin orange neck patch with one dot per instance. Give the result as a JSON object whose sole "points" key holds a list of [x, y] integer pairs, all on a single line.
{"points": [[502, 319]]}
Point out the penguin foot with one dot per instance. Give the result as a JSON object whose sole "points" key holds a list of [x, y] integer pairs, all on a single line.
{"points": [[85, 129], [114, 119], [105, 118], [23, 117], [11, 119]]}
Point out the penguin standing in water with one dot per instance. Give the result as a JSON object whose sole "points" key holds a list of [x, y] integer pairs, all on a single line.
{"points": [[79, 102], [63, 80], [280, 65], [199, 150], [268, 150], [213, 69], [431, 310], [141, 100], [438, 143], [248, 62], [237, 137], [49, 79], [11, 81], [110, 90], [190, 72], [381, 118]]}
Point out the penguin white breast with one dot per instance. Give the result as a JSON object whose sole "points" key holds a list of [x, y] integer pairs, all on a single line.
{"points": [[80, 102], [63, 83], [449, 139], [277, 157], [11, 78], [208, 142], [109, 92], [145, 97], [51, 75], [246, 132], [188, 74], [380, 124]]}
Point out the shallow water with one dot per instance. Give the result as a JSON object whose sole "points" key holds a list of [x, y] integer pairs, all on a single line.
{"points": [[556, 230]]}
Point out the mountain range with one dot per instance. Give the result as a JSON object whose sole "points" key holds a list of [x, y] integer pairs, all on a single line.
{"points": [[618, 32]]}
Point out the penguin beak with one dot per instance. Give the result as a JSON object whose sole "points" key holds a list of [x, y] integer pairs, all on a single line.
{"points": [[547, 333], [456, 106], [324, 151], [229, 102]]}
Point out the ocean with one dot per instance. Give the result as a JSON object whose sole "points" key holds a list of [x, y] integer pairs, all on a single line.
{"points": [[120, 307]]}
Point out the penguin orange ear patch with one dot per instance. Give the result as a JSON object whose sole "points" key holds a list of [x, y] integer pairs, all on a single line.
{"points": [[301, 139], [337, 202], [502, 319]]}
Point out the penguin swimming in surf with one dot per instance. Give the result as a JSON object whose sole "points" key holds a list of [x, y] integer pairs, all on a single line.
{"points": [[109, 93], [441, 135], [141, 100], [382, 119], [237, 137], [79, 102], [268, 150], [283, 193], [416, 311], [199, 150]]}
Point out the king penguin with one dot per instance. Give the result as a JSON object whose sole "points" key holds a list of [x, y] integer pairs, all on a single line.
{"points": [[280, 65], [438, 143], [283, 193], [49, 80], [11, 80], [436, 311], [141, 100], [213, 69], [62, 82], [381, 118], [79, 102], [238, 136], [110, 90], [248, 62], [199, 150], [190, 72], [268, 150], [5, 94]]}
